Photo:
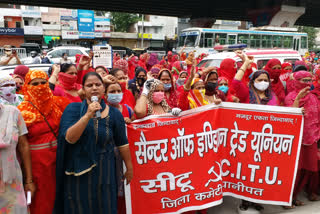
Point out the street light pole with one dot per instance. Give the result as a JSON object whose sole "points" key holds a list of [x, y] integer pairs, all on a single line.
{"points": [[142, 31]]}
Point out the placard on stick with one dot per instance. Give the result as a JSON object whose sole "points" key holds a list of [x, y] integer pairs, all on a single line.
{"points": [[102, 56]]}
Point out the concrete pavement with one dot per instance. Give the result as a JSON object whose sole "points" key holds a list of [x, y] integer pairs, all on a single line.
{"points": [[230, 206]]}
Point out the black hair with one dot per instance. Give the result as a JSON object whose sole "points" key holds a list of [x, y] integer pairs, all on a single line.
{"points": [[268, 92], [65, 67], [211, 73], [63, 54], [300, 68], [167, 71], [115, 70], [107, 86], [102, 67], [138, 70], [91, 74]]}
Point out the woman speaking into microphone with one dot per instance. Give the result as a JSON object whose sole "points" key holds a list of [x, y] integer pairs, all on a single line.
{"points": [[86, 179]]}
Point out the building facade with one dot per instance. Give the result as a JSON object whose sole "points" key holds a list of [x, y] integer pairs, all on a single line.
{"points": [[156, 30], [11, 27], [50, 18], [32, 24]]}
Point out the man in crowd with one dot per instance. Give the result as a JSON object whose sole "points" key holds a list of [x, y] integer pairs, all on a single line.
{"points": [[35, 57], [10, 57], [44, 58]]}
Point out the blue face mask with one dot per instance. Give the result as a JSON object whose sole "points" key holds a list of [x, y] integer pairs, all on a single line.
{"points": [[114, 98], [180, 82], [167, 86], [224, 88]]}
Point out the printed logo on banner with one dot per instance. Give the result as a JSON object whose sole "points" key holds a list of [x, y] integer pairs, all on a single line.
{"points": [[12, 31], [240, 150], [86, 20], [86, 35], [67, 15], [70, 34]]}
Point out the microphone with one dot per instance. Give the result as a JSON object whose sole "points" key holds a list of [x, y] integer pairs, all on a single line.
{"points": [[98, 113]]}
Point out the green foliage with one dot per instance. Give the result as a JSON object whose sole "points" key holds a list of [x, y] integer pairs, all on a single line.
{"points": [[312, 35], [123, 21]]}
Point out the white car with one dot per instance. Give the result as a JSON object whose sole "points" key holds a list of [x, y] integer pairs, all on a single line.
{"points": [[55, 54], [7, 70], [261, 57]]}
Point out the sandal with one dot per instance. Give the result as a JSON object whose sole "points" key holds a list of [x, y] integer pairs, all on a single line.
{"points": [[297, 203], [258, 207], [244, 205], [289, 207], [313, 197]]}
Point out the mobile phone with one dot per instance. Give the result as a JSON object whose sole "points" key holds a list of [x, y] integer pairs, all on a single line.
{"points": [[14, 51], [28, 198]]}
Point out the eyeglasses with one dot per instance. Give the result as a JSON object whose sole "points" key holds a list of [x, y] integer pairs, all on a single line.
{"points": [[39, 83]]}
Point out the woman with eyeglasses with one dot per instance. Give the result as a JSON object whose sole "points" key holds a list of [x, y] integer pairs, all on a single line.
{"points": [[63, 82], [308, 169], [42, 112], [86, 178]]}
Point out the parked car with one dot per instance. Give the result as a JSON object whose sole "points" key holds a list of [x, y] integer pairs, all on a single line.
{"points": [[55, 54], [9, 69]]}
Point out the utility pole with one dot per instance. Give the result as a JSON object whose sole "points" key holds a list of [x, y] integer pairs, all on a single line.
{"points": [[142, 31]]}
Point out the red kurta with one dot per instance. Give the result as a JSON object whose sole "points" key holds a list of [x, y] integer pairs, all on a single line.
{"points": [[43, 147]]}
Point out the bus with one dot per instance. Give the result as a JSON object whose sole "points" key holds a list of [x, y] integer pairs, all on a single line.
{"points": [[203, 40]]}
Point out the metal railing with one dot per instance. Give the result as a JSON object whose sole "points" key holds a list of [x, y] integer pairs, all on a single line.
{"points": [[22, 52], [122, 53]]}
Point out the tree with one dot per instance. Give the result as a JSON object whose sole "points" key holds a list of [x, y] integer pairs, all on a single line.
{"points": [[312, 35], [123, 21]]}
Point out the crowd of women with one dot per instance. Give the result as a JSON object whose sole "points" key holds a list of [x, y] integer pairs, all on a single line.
{"points": [[71, 157]]}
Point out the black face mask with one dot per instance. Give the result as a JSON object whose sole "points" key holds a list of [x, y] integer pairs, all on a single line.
{"points": [[210, 88], [140, 81]]}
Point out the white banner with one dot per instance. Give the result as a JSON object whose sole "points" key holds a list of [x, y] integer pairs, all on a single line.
{"points": [[33, 30], [70, 34], [69, 25], [31, 13]]}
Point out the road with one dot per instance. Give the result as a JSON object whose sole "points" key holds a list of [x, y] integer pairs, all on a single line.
{"points": [[230, 206]]}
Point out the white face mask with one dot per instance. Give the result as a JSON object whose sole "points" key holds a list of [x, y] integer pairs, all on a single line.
{"points": [[8, 93], [261, 86]]}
